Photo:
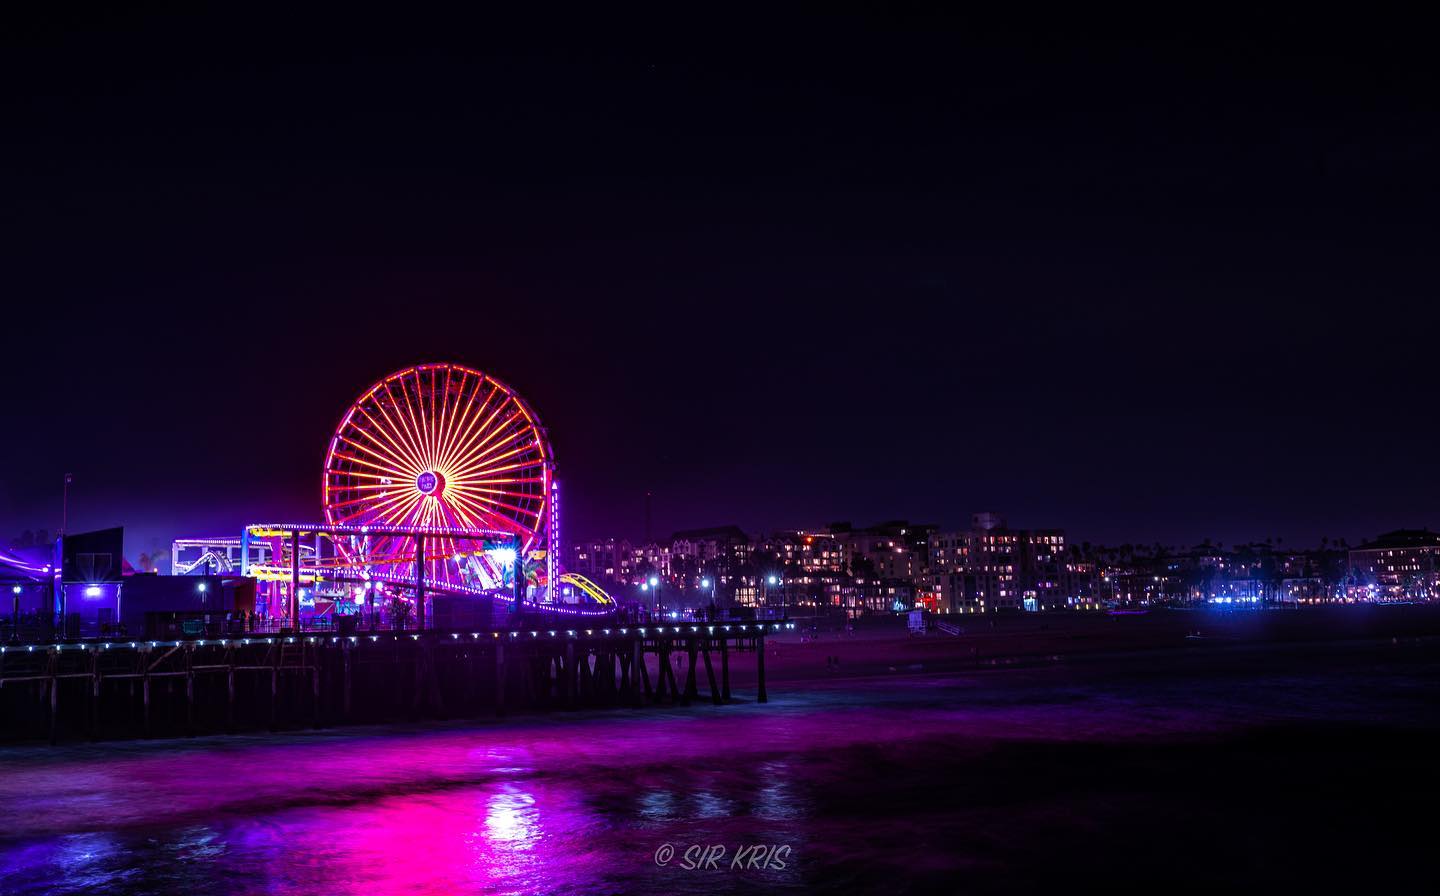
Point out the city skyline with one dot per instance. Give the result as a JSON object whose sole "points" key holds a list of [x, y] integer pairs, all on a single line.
{"points": [[156, 538]]}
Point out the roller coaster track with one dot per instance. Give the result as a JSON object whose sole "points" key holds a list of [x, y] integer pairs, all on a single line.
{"points": [[595, 591]]}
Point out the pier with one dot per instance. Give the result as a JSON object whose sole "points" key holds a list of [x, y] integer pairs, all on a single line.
{"points": [[100, 689]]}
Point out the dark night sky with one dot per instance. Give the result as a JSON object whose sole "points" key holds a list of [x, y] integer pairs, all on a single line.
{"points": [[1146, 279]]}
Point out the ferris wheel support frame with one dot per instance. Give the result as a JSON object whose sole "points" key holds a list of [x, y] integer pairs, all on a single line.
{"points": [[293, 531]]}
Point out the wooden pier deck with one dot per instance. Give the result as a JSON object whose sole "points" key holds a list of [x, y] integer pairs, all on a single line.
{"points": [[98, 689]]}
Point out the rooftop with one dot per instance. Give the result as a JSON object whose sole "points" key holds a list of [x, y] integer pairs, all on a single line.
{"points": [[1402, 538]]}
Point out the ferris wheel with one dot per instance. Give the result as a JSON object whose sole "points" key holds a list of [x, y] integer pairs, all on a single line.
{"points": [[447, 447]]}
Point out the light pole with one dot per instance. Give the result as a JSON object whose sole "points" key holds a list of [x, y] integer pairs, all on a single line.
{"points": [[770, 582], [654, 584], [65, 502], [707, 612]]}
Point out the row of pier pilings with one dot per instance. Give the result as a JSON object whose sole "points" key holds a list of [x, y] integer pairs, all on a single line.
{"points": [[100, 689]]}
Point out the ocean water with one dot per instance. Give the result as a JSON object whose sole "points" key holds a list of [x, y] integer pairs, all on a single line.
{"points": [[1258, 767]]}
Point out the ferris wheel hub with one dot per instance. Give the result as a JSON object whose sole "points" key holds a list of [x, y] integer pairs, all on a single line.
{"points": [[430, 482]]}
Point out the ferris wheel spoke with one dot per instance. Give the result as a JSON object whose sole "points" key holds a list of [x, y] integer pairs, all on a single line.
{"points": [[458, 420], [447, 551], [423, 394], [430, 512], [507, 481], [417, 510], [472, 412], [396, 427], [457, 516], [445, 518], [382, 443], [385, 431], [374, 466], [385, 552], [397, 466], [405, 428], [474, 409], [516, 429], [447, 417], [478, 465], [510, 438], [512, 414], [473, 517], [460, 501], [490, 397], [462, 518], [490, 471], [441, 413], [421, 397], [474, 468], [362, 475], [394, 510], [411, 423], [477, 438]]}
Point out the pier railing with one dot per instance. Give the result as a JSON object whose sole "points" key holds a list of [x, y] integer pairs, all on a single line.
{"points": [[220, 625], [187, 684]]}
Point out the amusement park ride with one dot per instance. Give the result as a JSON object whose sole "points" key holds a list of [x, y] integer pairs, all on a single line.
{"points": [[439, 482], [432, 586]]}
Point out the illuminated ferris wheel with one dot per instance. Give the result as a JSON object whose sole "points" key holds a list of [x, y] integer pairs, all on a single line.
{"points": [[444, 446]]}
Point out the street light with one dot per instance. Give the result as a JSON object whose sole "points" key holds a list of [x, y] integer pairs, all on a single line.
{"points": [[772, 579], [711, 584]]}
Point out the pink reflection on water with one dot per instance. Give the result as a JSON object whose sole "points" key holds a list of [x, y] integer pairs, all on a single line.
{"points": [[573, 803], [102, 787], [505, 837]]}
